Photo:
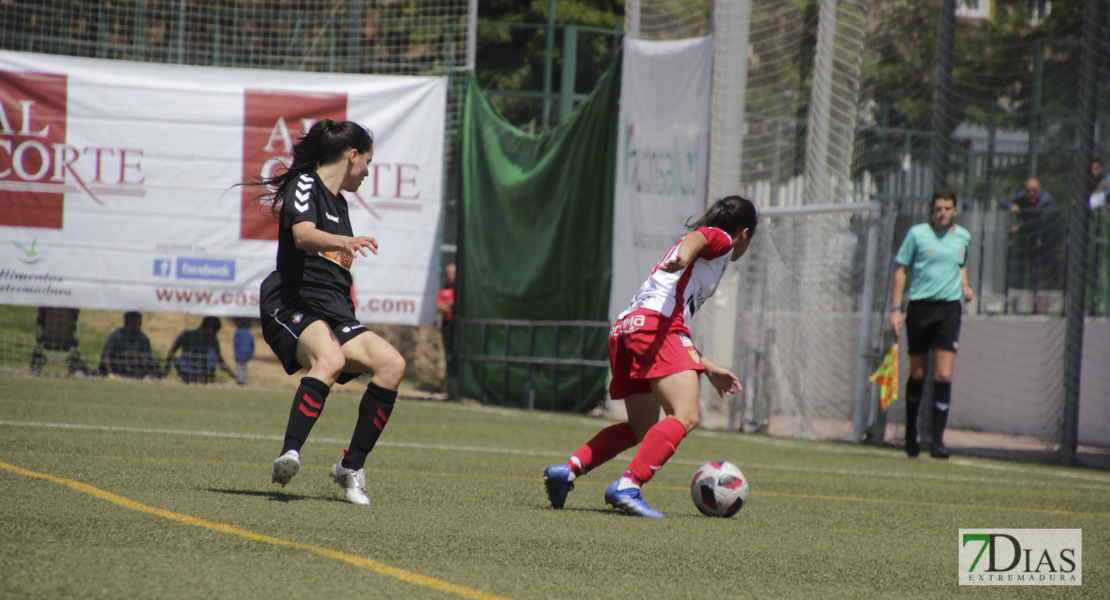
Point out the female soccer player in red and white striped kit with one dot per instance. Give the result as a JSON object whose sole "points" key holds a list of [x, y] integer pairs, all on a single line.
{"points": [[653, 362]]}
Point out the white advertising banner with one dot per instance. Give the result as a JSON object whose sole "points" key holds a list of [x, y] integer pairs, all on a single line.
{"points": [[663, 155], [117, 183]]}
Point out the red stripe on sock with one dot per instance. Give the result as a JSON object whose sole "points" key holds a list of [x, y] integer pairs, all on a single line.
{"points": [[307, 412], [311, 403], [657, 448], [379, 424], [384, 417]]}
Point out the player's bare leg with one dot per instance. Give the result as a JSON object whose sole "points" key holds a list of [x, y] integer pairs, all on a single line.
{"points": [[677, 396]]}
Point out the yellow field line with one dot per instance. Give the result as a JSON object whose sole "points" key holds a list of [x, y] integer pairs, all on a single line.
{"points": [[358, 561]]}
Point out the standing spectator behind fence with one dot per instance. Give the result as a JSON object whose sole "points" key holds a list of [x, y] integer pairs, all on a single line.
{"points": [[1102, 185], [1098, 256], [127, 352], [445, 306], [200, 353], [243, 342], [1035, 258]]}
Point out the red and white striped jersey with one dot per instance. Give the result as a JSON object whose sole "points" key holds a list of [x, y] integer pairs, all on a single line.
{"points": [[680, 294]]}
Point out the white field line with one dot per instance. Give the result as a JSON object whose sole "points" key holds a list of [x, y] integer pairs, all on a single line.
{"points": [[1102, 482]]}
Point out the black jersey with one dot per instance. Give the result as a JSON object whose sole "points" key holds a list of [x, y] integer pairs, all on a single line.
{"points": [[316, 280]]}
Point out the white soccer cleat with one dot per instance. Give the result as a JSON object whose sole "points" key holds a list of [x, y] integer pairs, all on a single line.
{"points": [[286, 466], [353, 482]]}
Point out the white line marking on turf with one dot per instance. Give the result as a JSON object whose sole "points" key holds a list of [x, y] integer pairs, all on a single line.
{"points": [[840, 448], [1104, 481]]}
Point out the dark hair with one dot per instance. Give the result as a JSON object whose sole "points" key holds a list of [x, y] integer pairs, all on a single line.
{"points": [[733, 214], [943, 195], [212, 323], [324, 143], [131, 315], [1097, 160]]}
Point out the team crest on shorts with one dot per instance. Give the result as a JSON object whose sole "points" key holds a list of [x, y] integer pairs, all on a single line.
{"points": [[689, 345], [297, 317]]}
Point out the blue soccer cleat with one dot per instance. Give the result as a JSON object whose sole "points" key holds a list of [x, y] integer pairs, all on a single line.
{"points": [[556, 479], [630, 501]]}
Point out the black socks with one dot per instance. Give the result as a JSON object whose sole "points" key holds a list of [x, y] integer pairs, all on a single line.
{"points": [[308, 403], [913, 404], [942, 396], [373, 413]]}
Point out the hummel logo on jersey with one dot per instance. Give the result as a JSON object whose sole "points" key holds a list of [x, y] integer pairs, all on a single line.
{"points": [[304, 189], [331, 217], [301, 203]]}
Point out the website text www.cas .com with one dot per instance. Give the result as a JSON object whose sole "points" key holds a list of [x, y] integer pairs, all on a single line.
{"points": [[209, 297]]}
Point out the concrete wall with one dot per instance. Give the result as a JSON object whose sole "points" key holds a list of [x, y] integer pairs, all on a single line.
{"points": [[1008, 379]]}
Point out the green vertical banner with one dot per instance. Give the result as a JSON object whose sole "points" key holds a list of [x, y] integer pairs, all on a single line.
{"points": [[536, 242]]}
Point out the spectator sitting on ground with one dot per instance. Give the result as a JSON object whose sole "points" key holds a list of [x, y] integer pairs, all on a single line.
{"points": [[200, 353], [127, 352]]}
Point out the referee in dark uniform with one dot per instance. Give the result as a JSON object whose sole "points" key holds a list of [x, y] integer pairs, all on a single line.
{"points": [[936, 254], [308, 316]]}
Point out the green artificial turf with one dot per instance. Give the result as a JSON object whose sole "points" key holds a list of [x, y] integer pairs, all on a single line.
{"points": [[459, 508]]}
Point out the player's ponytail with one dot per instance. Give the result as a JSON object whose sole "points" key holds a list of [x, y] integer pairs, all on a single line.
{"points": [[324, 143], [732, 214]]}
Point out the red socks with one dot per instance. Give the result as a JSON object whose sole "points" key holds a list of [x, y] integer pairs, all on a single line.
{"points": [[608, 443], [657, 448]]}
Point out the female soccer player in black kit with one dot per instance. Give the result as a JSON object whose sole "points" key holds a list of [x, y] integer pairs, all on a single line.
{"points": [[308, 316]]}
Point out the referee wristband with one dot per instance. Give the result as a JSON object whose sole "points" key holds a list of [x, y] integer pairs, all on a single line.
{"points": [[895, 307]]}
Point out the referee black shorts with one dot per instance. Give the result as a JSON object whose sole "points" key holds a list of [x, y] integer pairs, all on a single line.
{"points": [[282, 331], [933, 324]]}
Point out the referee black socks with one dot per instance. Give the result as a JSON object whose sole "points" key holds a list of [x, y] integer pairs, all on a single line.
{"points": [[913, 403], [942, 396]]}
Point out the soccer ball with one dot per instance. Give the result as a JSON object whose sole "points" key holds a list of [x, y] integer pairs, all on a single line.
{"points": [[719, 489]]}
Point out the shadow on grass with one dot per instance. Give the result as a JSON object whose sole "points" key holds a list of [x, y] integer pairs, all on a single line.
{"points": [[273, 496], [602, 511]]}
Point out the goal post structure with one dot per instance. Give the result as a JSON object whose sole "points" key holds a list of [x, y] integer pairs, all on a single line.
{"points": [[803, 295]]}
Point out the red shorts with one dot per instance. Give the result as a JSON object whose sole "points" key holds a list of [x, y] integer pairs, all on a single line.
{"points": [[645, 346]]}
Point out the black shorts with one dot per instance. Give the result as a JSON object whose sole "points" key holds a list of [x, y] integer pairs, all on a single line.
{"points": [[282, 330], [931, 324]]}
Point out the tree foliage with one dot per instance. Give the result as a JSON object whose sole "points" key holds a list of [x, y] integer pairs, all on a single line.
{"points": [[512, 45], [994, 58]]}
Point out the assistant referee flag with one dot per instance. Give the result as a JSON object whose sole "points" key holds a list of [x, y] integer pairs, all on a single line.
{"points": [[886, 377]]}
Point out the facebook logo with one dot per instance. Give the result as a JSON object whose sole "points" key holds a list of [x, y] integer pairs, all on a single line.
{"points": [[201, 268], [162, 267]]}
